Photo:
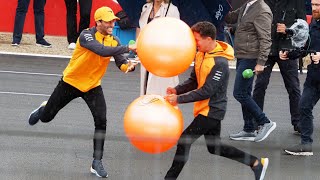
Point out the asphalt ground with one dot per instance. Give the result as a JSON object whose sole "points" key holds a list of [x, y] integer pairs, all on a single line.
{"points": [[62, 149]]}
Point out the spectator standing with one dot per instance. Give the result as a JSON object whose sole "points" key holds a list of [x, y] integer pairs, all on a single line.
{"points": [[21, 11], [285, 12], [252, 46], [311, 91], [150, 83], [73, 31]]}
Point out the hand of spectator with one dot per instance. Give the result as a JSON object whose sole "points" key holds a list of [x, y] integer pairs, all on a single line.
{"points": [[172, 99], [131, 66], [258, 69], [281, 28], [315, 58], [283, 55], [171, 90]]}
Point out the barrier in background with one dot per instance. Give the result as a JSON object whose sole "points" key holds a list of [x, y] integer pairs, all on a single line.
{"points": [[125, 35], [55, 15]]}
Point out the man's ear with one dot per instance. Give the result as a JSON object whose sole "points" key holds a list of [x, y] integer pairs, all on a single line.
{"points": [[98, 23], [209, 38]]}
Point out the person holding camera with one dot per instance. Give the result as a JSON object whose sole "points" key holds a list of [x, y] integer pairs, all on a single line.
{"points": [[311, 91], [285, 14]]}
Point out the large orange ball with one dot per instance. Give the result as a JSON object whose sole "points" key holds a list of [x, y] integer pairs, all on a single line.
{"points": [[166, 47], [152, 124]]}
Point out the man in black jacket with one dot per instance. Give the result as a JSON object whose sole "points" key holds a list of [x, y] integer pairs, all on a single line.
{"points": [[311, 90], [285, 12]]}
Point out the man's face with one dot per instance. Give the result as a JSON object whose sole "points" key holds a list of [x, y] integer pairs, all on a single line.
{"points": [[202, 43], [106, 28], [315, 9]]}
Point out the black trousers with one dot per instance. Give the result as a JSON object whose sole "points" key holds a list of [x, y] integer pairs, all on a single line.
{"points": [[64, 93], [85, 10], [211, 129], [289, 72]]}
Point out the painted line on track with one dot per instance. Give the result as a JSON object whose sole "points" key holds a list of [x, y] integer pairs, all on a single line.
{"points": [[29, 73], [25, 94]]}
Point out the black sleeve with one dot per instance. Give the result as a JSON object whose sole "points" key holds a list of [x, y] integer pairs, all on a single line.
{"points": [[120, 58], [232, 16], [188, 85], [301, 10], [87, 40], [217, 78]]}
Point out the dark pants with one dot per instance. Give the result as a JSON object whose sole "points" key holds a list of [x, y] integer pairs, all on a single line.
{"points": [[21, 11], [289, 72], [310, 97], [85, 10], [211, 129], [252, 113], [94, 98]]}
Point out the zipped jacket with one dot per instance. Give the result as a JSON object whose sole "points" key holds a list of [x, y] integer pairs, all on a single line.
{"points": [[253, 32], [208, 82], [91, 57]]}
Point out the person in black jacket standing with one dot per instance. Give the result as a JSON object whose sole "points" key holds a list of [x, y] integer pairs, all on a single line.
{"points": [[285, 12], [311, 90]]}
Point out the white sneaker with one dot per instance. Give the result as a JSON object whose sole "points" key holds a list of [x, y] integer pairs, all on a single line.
{"points": [[15, 44], [72, 46]]}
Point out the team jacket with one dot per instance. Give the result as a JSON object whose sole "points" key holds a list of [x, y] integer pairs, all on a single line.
{"points": [[91, 57], [207, 84]]}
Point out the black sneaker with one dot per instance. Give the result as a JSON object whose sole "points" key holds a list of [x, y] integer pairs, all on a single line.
{"points": [[43, 43], [34, 117], [260, 169], [300, 150], [97, 169]]}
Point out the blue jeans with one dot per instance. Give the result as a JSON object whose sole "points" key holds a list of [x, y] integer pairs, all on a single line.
{"points": [[309, 98], [252, 113], [289, 72], [21, 11]]}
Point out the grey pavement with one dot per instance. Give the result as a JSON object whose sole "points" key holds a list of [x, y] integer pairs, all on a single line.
{"points": [[62, 149]]}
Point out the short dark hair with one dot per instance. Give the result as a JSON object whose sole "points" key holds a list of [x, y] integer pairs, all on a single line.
{"points": [[205, 29]]}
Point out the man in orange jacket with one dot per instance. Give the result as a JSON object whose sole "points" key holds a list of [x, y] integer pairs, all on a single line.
{"points": [[82, 78], [207, 88]]}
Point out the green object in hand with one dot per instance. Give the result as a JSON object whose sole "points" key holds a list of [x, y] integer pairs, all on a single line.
{"points": [[132, 42], [248, 73]]}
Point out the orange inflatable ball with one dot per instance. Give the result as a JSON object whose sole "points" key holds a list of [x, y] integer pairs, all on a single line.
{"points": [[166, 47], [152, 124]]}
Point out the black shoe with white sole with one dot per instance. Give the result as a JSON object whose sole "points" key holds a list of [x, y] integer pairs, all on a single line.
{"points": [[34, 116], [300, 150]]}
